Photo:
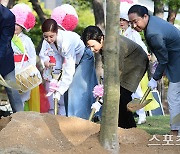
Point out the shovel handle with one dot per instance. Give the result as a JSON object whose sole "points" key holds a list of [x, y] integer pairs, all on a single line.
{"points": [[93, 111], [58, 77], [92, 114], [55, 106], [145, 95]]}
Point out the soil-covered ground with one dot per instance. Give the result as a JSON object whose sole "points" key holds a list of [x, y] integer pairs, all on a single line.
{"points": [[37, 133]]}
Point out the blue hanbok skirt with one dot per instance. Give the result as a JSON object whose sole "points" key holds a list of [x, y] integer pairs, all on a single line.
{"points": [[79, 97]]}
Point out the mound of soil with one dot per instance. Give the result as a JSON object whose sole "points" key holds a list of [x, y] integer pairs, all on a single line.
{"points": [[36, 133]]}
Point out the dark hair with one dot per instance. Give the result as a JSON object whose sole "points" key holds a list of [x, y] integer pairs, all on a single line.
{"points": [[91, 33], [139, 10], [50, 25]]}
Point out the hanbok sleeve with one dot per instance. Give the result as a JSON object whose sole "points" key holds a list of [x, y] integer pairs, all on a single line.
{"points": [[43, 52], [68, 67]]}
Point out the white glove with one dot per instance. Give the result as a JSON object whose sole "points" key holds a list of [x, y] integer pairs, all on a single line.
{"points": [[96, 106], [56, 95], [138, 93], [152, 84]]}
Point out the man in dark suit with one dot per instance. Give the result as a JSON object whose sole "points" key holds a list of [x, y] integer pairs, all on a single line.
{"points": [[7, 27], [163, 39]]}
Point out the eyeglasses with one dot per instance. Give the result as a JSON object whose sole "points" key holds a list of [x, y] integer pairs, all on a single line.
{"points": [[135, 22]]}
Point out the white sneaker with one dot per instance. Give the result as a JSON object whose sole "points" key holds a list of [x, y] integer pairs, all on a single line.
{"points": [[141, 121]]}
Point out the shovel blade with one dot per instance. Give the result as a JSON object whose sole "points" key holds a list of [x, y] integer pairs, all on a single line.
{"points": [[135, 105]]}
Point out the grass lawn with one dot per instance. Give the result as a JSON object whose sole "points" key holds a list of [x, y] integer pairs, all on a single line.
{"points": [[156, 125]]}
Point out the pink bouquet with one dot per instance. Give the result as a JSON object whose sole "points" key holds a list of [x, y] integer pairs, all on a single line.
{"points": [[53, 87], [98, 91]]}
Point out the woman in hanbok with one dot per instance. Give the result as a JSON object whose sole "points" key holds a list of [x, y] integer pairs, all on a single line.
{"points": [[67, 19], [23, 47], [78, 71]]}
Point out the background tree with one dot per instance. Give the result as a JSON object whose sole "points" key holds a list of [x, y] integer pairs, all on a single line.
{"points": [[38, 9], [99, 21], [173, 8], [159, 8], [109, 123]]}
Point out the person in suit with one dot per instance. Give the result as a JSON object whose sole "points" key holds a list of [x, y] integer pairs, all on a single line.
{"points": [[163, 39], [135, 65], [7, 27]]}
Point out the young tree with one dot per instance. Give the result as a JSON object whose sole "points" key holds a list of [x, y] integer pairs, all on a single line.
{"points": [[109, 123]]}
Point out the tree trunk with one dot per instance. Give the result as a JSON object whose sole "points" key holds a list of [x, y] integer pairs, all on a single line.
{"points": [[11, 4], [38, 9], [41, 15], [172, 11], [99, 13], [99, 21], [159, 8], [109, 123]]}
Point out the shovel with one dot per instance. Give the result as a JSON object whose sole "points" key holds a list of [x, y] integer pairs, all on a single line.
{"points": [[137, 104], [97, 99], [92, 112], [57, 77]]}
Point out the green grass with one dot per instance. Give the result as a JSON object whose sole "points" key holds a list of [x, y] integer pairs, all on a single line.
{"points": [[156, 125]]}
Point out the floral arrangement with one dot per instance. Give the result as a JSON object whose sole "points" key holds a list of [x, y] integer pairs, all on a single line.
{"points": [[98, 91], [65, 16], [53, 86], [24, 16]]}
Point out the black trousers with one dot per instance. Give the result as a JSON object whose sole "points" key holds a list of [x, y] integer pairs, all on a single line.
{"points": [[126, 119]]}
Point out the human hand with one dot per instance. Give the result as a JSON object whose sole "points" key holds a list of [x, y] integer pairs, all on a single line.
{"points": [[56, 95], [152, 84], [47, 64], [96, 106]]}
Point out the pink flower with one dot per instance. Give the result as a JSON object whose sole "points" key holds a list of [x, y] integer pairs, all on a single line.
{"points": [[98, 91], [53, 85], [30, 21], [65, 16], [69, 22]]}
